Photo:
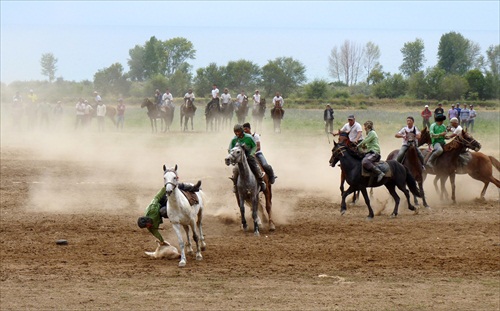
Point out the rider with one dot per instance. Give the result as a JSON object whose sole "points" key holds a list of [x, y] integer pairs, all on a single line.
{"points": [[403, 133], [438, 133], [158, 98], [256, 100], [167, 99], [353, 129], [157, 210], [225, 97], [278, 102], [456, 130], [246, 140], [241, 98], [372, 148], [189, 95], [258, 154], [215, 99]]}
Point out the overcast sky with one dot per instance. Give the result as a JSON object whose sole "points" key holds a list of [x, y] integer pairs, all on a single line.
{"points": [[87, 36]]}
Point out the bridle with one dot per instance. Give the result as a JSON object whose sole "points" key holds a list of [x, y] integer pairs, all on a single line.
{"points": [[174, 185]]}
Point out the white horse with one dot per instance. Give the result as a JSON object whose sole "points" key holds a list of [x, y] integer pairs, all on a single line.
{"points": [[247, 186], [180, 212]]}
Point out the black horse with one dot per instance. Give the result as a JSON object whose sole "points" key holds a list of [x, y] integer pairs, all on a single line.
{"points": [[396, 176], [258, 114], [166, 116], [242, 111], [213, 115]]}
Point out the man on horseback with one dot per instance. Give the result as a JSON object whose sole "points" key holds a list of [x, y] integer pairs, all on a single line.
{"points": [[438, 133], [246, 140], [241, 98], [225, 98], [353, 129], [371, 146], [167, 100], [456, 130], [258, 154], [404, 133], [256, 100], [278, 102], [158, 97], [157, 210]]}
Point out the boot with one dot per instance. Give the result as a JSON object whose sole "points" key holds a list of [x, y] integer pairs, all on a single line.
{"points": [[272, 177], [430, 160], [261, 181], [379, 173]]}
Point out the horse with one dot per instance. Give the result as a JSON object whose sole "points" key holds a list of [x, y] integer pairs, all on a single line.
{"points": [[212, 115], [258, 114], [242, 111], [479, 167], [181, 212], [344, 138], [397, 175], [155, 113], [188, 110], [227, 113], [247, 187], [412, 162], [277, 114], [110, 112]]}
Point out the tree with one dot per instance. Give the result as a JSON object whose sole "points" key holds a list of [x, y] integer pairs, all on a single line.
{"points": [[112, 80], [376, 75], [283, 75], [137, 70], [392, 86], [413, 57], [346, 62], [242, 74], [476, 82], [372, 55], [317, 89], [177, 51], [433, 78], [493, 59], [206, 77], [454, 53], [154, 58], [417, 86], [48, 63], [453, 87]]}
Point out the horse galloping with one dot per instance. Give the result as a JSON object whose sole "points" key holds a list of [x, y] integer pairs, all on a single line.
{"points": [[277, 114], [227, 113], [242, 111], [258, 114], [479, 167], [188, 110], [397, 176], [412, 162], [212, 115], [182, 213]]}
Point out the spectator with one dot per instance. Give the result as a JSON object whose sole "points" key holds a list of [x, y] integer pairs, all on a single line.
{"points": [[58, 113], [439, 110], [89, 110], [120, 114], [472, 118], [459, 110], [101, 113], [452, 113], [426, 115], [80, 113], [464, 116], [328, 118]]}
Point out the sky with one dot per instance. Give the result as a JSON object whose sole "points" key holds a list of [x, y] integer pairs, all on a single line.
{"points": [[87, 36]]}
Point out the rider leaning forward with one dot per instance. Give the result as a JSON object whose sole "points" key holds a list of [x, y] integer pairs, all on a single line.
{"points": [[371, 146]]}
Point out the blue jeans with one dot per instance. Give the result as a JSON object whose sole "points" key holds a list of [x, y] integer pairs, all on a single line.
{"points": [[261, 158]]}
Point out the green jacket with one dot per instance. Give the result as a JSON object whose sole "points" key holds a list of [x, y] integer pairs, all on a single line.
{"points": [[370, 143], [247, 140], [153, 212], [435, 132]]}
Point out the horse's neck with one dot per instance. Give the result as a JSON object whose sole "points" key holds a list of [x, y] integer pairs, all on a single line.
{"points": [[243, 166], [349, 163], [175, 201], [454, 146]]}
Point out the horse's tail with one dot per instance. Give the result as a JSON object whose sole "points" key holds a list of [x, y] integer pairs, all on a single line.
{"points": [[412, 184], [495, 162]]}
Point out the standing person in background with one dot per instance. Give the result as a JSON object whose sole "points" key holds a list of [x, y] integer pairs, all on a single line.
{"points": [[80, 113], [17, 110], [328, 118], [101, 113], [459, 111], [32, 109], [472, 118], [97, 97], [57, 111], [120, 114], [464, 116], [426, 115], [439, 110], [452, 113], [88, 111]]}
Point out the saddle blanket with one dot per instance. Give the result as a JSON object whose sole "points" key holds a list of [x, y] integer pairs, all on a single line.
{"points": [[191, 196], [382, 165]]}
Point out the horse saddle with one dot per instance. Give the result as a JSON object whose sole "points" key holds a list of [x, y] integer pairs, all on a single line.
{"points": [[382, 165], [191, 196]]}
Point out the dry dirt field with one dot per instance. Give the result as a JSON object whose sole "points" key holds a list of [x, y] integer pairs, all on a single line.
{"points": [[90, 189]]}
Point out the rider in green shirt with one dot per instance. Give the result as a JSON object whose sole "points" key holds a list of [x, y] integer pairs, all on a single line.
{"points": [[246, 140], [157, 209], [371, 146], [438, 133]]}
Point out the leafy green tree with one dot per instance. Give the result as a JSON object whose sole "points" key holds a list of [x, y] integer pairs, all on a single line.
{"points": [[493, 59], [376, 75], [284, 74], [177, 51], [491, 86], [476, 82], [393, 86], [157, 82], [242, 75], [180, 81], [317, 89], [453, 87], [112, 80], [48, 63], [454, 53], [137, 70], [417, 86], [413, 57], [206, 77], [154, 58], [433, 78]]}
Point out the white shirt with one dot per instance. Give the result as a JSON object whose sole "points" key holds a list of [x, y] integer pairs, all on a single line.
{"points": [[256, 139], [353, 131], [101, 110], [80, 109], [406, 130], [278, 100], [240, 98], [256, 100], [190, 96], [167, 97], [457, 131], [226, 98], [215, 93]]}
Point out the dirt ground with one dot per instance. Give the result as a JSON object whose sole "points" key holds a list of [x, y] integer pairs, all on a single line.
{"points": [[90, 189]]}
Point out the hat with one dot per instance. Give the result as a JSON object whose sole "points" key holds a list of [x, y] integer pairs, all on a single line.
{"points": [[453, 105], [440, 104], [454, 120], [440, 117], [351, 117], [471, 105], [426, 106]]}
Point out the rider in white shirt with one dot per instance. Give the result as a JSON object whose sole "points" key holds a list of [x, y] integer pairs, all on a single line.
{"points": [[278, 101], [256, 100], [225, 97], [167, 100]]}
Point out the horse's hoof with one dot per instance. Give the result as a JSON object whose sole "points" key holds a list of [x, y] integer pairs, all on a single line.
{"points": [[256, 233], [272, 227], [394, 215], [203, 246], [182, 263], [199, 257], [342, 212], [416, 212], [369, 218], [427, 207]]}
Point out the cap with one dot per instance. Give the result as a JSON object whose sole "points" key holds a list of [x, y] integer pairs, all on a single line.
{"points": [[440, 117], [454, 120], [351, 117], [426, 106], [453, 105]]}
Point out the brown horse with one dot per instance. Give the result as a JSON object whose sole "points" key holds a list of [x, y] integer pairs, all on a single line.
{"points": [[242, 111], [258, 114], [188, 109], [277, 114], [479, 167], [155, 113], [412, 162]]}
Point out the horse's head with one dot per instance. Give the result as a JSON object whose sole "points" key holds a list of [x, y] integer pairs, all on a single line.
{"points": [[236, 155], [170, 179], [146, 102], [344, 138], [469, 142], [337, 152], [425, 137], [411, 138]]}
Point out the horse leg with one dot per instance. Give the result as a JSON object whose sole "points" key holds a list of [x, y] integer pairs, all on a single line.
{"points": [[268, 195], [177, 229], [392, 191], [367, 201], [196, 239], [188, 240], [255, 216], [241, 203], [192, 128], [343, 205], [452, 181], [200, 230], [444, 192], [422, 195]]}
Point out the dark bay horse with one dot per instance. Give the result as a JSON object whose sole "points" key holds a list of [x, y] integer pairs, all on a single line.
{"points": [[277, 114], [212, 115], [397, 176], [258, 114], [479, 167], [155, 113], [242, 111], [188, 110], [412, 162], [227, 113]]}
